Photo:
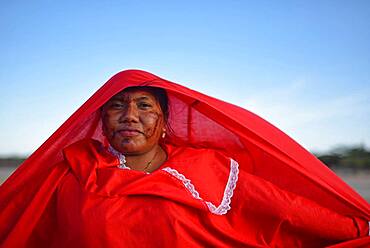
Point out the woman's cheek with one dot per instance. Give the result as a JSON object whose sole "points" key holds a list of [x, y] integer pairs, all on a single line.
{"points": [[151, 124], [150, 130]]}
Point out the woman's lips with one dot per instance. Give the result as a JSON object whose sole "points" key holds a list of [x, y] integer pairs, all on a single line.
{"points": [[128, 133]]}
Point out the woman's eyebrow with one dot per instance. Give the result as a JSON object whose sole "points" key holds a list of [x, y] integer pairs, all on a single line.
{"points": [[120, 98], [142, 98], [116, 98]]}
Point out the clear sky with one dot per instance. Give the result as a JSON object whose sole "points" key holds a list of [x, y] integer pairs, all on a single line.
{"points": [[302, 65]]}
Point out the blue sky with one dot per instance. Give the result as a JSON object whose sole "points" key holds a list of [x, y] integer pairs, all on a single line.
{"points": [[302, 65]]}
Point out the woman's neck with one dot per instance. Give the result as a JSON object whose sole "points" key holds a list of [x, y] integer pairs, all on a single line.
{"points": [[149, 161]]}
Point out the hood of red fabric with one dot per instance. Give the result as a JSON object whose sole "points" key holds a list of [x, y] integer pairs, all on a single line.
{"points": [[199, 120]]}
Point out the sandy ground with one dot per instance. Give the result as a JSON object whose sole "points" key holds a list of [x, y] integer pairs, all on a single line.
{"points": [[5, 173], [359, 181]]}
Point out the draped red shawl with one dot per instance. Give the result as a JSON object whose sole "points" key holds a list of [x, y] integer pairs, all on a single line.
{"points": [[300, 197]]}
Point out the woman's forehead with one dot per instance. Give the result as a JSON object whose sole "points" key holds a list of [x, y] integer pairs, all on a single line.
{"points": [[136, 94]]}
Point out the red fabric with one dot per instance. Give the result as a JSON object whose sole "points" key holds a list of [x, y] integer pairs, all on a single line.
{"points": [[284, 195], [358, 243]]}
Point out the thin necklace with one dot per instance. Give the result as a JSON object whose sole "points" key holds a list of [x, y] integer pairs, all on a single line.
{"points": [[150, 162]]}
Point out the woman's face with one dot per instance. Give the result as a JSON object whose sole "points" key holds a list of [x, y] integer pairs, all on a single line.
{"points": [[133, 122]]}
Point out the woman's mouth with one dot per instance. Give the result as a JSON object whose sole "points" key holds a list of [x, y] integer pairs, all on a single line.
{"points": [[128, 133]]}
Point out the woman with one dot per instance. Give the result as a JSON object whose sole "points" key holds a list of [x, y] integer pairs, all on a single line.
{"points": [[134, 167]]}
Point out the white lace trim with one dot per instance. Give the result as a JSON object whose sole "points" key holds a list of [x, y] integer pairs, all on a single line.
{"points": [[121, 158], [228, 192]]}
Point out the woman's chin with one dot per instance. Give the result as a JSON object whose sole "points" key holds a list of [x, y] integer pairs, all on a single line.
{"points": [[128, 147]]}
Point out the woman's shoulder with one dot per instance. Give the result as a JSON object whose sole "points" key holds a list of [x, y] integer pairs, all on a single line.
{"points": [[188, 154], [86, 155], [88, 148], [209, 174], [198, 161], [82, 146]]}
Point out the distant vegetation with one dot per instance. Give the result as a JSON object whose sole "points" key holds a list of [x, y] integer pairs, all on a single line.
{"points": [[354, 158], [11, 161]]}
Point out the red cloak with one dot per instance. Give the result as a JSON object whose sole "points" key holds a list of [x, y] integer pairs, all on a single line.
{"points": [[284, 196]]}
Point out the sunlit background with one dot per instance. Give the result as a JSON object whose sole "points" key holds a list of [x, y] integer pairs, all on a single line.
{"points": [[302, 65]]}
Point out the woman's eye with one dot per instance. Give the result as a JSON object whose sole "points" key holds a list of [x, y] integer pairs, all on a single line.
{"points": [[144, 105], [117, 105]]}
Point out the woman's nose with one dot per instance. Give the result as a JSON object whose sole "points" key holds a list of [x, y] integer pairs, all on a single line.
{"points": [[130, 114]]}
